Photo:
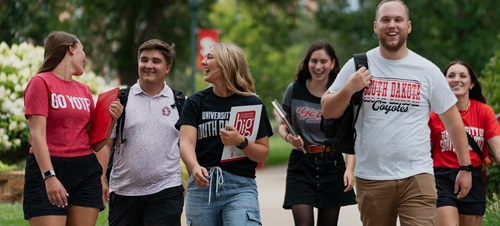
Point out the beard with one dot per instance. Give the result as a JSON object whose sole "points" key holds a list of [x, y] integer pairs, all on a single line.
{"points": [[393, 47]]}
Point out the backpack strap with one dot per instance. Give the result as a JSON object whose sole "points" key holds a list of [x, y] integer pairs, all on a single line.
{"points": [[474, 146], [123, 97], [179, 99], [360, 60]]}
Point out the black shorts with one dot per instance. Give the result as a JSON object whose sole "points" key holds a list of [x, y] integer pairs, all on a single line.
{"points": [[472, 204], [80, 176], [162, 208], [317, 180]]}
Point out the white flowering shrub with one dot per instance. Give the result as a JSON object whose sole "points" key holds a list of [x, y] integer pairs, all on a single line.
{"points": [[18, 64]]}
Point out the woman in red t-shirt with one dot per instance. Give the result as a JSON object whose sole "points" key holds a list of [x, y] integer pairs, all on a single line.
{"points": [[481, 123], [62, 180]]}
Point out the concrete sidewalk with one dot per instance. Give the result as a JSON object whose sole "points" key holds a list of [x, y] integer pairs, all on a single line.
{"points": [[271, 186]]}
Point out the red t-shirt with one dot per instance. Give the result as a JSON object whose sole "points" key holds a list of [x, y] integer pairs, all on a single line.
{"points": [[67, 105], [480, 122]]}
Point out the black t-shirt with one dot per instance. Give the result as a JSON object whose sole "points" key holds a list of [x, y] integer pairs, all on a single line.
{"points": [[209, 113]]}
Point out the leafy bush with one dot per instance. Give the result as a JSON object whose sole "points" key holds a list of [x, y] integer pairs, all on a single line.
{"points": [[490, 83], [6, 168], [18, 64]]}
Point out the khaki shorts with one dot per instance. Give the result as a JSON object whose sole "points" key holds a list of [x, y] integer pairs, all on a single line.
{"points": [[413, 199]]}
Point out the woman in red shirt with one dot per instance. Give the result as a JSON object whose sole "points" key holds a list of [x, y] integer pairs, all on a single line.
{"points": [[62, 183], [481, 123]]}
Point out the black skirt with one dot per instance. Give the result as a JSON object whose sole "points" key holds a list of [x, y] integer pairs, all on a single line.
{"points": [[317, 180]]}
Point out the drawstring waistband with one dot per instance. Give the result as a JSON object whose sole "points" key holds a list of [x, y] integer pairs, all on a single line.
{"points": [[219, 181]]}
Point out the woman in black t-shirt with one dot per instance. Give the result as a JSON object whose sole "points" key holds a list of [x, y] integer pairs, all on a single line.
{"points": [[222, 188]]}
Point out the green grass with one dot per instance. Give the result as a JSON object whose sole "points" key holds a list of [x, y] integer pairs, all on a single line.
{"points": [[102, 219], [492, 214], [12, 215], [279, 151]]}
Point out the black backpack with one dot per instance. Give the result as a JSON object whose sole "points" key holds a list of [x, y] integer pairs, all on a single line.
{"points": [[180, 98], [340, 132]]}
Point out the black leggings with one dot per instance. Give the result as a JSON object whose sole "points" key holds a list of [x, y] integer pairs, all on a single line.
{"points": [[303, 215]]}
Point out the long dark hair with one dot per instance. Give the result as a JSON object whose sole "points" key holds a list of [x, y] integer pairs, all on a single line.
{"points": [[303, 71], [56, 46], [475, 93]]}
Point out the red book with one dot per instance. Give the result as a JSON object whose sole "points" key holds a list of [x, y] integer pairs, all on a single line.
{"points": [[101, 118]]}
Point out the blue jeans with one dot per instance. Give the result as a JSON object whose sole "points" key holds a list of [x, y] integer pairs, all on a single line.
{"points": [[229, 200]]}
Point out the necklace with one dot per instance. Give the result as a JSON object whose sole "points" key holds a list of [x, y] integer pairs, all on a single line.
{"points": [[466, 111]]}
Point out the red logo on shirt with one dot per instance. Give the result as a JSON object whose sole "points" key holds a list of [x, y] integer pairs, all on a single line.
{"points": [[244, 122], [166, 111], [308, 113]]}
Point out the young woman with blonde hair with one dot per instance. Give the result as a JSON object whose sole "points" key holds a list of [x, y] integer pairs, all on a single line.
{"points": [[222, 192]]}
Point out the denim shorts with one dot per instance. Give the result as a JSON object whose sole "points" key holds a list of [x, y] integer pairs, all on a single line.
{"points": [[228, 200], [80, 176]]}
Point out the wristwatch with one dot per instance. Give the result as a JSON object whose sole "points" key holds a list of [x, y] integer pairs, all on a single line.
{"points": [[467, 168], [48, 173], [243, 144]]}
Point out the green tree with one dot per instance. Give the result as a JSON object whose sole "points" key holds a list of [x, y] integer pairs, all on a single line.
{"points": [[442, 30], [490, 81], [267, 61], [112, 30], [30, 21], [274, 38]]}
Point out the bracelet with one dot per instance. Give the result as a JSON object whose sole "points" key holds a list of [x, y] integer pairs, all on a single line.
{"points": [[286, 136]]}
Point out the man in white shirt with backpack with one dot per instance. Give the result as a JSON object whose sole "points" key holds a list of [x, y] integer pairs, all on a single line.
{"points": [[394, 170], [145, 185]]}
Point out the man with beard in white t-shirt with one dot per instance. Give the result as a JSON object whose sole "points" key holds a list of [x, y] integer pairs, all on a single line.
{"points": [[394, 168]]}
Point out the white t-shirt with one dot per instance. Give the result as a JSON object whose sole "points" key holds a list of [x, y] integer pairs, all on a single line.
{"points": [[393, 137]]}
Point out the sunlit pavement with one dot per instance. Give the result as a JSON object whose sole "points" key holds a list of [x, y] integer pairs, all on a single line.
{"points": [[271, 186]]}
